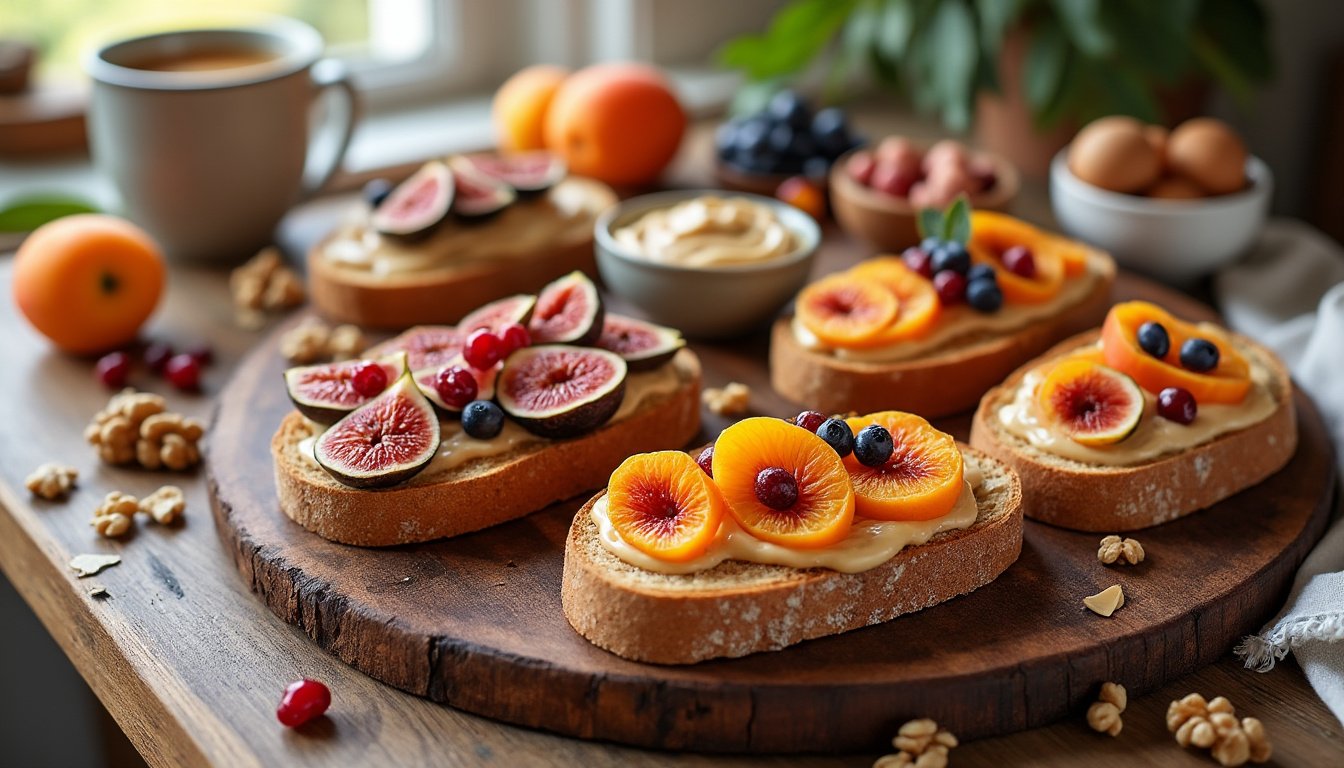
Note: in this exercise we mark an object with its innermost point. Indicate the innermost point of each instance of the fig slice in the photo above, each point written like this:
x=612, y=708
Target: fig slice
x=643, y=346
x=530, y=173
x=478, y=196
x=559, y=391
x=325, y=393
x=386, y=441
x=418, y=204
x=498, y=315
x=425, y=378
x=569, y=311
x=1091, y=403
x=426, y=346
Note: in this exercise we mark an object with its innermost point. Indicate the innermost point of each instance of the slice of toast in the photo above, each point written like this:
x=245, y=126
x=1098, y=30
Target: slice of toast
x=737, y=608
x=484, y=491
x=444, y=294
x=1110, y=499
x=949, y=381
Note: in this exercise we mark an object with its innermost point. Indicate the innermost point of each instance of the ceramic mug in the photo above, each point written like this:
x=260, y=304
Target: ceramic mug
x=206, y=133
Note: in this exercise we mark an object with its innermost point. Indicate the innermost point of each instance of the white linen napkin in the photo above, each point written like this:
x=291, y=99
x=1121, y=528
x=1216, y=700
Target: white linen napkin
x=1288, y=293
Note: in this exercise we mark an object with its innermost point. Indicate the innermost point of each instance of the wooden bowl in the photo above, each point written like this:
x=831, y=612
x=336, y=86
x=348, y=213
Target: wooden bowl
x=738, y=179
x=888, y=222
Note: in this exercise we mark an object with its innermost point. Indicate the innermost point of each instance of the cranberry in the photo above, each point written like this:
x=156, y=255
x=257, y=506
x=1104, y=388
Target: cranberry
x=1177, y=404
x=156, y=356
x=777, y=488
x=183, y=372
x=113, y=369
x=203, y=354
x=303, y=701
x=706, y=460
x=513, y=338
x=809, y=420
x=951, y=287
x=918, y=260
x=369, y=379
x=456, y=386
x=482, y=350
x=1019, y=261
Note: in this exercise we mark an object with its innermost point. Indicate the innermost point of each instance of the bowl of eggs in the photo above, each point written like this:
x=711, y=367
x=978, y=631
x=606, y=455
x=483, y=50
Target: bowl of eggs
x=1174, y=204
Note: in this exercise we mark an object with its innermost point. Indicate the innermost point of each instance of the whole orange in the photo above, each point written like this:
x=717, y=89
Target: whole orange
x=619, y=123
x=520, y=105
x=88, y=282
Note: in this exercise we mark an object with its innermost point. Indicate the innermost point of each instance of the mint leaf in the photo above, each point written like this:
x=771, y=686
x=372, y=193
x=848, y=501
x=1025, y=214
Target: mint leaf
x=930, y=223
x=30, y=213
x=957, y=221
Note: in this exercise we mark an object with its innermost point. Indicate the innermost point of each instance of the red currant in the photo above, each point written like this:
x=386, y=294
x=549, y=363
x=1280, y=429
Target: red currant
x=951, y=287
x=203, y=354
x=1020, y=261
x=513, y=338
x=156, y=356
x=456, y=386
x=303, y=701
x=113, y=369
x=706, y=460
x=1177, y=404
x=369, y=379
x=777, y=488
x=183, y=372
x=917, y=259
x=482, y=350
x=809, y=420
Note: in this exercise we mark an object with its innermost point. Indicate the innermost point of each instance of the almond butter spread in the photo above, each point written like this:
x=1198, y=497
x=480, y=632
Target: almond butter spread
x=709, y=231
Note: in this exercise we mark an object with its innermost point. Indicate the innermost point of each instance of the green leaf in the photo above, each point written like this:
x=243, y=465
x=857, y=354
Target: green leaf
x=797, y=34
x=29, y=213
x=957, y=221
x=1081, y=19
x=753, y=96
x=930, y=222
x=1125, y=94
x=952, y=39
x=894, y=26
x=1149, y=41
x=1043, y=70
x=996, y=17
x=1232, y=40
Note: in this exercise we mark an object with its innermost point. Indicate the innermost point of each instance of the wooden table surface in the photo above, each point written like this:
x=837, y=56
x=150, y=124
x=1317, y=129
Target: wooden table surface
x=191, y=664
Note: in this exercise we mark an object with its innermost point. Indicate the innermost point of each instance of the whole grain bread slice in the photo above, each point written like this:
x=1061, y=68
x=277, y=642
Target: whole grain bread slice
x=738, y=608
x=1088, y=497
x=485, y=491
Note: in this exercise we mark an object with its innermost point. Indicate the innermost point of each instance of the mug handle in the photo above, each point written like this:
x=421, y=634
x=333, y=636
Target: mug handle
x=331, y=74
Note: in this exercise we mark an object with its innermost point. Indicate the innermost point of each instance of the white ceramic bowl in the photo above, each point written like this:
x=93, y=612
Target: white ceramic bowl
x=704, y=302
x=1177, y=241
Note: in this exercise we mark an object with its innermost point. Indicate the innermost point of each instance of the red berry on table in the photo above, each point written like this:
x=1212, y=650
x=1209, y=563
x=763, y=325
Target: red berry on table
x=156, y=356
x=1177, y=404
x=706, y=460
x=1020, y=261
x=514, y=338
x=113, y=369
x=951, y=287
x=369, y=379
x=482, y=349
x=918, y=260
x=456, y=386
x=803, y=194
x=183, y=372
x=303, y=701
x=860, y=167
x=203, y=354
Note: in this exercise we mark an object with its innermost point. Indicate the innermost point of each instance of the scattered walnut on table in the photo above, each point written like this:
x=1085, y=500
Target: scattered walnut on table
x=1104, y=715
x=1213, y=725
x=732, y=400
x=52, y=481
x=921, y=744
x=165, y=505
x=1115, y=550
x=135, y=427
x=265, y=283
x=313, y=341
x=115, y=515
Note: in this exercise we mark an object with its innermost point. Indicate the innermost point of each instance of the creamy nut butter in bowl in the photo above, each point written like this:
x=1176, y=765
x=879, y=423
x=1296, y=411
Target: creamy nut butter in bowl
x=712, y=263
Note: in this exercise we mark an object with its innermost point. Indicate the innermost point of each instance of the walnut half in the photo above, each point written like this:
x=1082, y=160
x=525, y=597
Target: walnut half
x=51, y=480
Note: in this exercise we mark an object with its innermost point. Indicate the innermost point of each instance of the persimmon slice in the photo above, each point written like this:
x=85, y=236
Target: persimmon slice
x=664, y=505
x=921, y=480
x=994, y=233
x=845, y=311
x=918, y=306
x=824, y=509
x=1228, y=383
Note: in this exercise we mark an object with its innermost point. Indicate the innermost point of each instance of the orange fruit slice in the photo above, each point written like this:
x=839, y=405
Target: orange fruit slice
x=1092, y=404
x=845, y=311
x=994, y=233
x=921, y=480
x=1227, y=383
x=917, y=301
x=823, y=506
x=664, y=505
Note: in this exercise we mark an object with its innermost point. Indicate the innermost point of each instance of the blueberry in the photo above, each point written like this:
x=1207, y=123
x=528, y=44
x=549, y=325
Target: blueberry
x=376, y=191
x=838, y=435
x=781, y=139
x=1154, y=340
x=1199, y=355
x=816, y=168
x=984, y=295
x=725, y=138
x=981, y=272
x=789, y=107
x=482, y=419
x=831, y=131
x=751, y=135
x=873, y=446
x=929, y=244
x=951, y=255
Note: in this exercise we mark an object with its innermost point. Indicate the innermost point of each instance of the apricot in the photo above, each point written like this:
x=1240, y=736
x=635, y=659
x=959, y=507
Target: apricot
x=917, y=301
x=88, y=282
x=845, y=310
x=618, y=122
x=520, y=106
x=993, y=234
x=1227, y=383
x=922, y=479
x=664, y=505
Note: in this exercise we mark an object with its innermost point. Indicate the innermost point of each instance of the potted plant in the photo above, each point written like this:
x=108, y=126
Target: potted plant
x=1025, y=73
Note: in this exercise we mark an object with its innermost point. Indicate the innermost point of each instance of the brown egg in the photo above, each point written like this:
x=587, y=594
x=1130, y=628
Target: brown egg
x=1157, y=136
x=1175, y=188
x=1209, y=153
x=1113, y=154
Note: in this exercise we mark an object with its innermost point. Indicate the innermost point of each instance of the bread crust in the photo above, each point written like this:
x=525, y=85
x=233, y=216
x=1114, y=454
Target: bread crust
x=1112, y=499
x=485, y=491
x=951, y=381
x=737, y=608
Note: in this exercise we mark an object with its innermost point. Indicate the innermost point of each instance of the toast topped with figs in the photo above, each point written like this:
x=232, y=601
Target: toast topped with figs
x=1149, y=419
x=781, y=532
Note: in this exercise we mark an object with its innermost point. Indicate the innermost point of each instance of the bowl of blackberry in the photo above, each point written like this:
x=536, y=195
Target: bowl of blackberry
x=756, y=153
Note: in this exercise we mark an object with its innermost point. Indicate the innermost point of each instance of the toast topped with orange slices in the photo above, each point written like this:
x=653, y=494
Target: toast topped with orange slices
x=930, y=331
x=1149, y=419
x=785, y=531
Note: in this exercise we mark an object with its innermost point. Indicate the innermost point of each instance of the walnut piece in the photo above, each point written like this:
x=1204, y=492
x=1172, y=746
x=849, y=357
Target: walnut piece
x=345, y=342
x=1213, y=725
x=922, y=744
x=732, y=400
x=313, y=341
x=135, y=427
x=1120, y=552
x=51, y=480
x=165, y=505
x=114, y=516
x=265, y=283
x=1104, y=715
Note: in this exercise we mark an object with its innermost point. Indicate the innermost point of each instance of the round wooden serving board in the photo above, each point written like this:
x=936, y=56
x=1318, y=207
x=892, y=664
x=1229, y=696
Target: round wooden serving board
x=475, y=622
